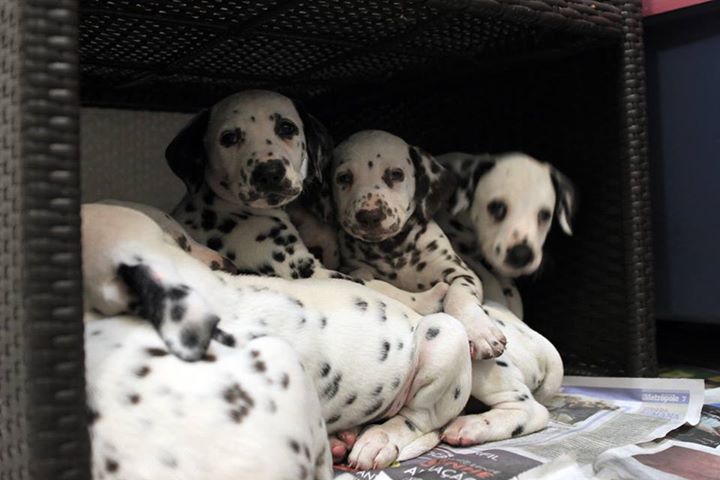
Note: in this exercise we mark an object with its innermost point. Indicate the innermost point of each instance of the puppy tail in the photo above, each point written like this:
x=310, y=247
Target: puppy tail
x=419, y=446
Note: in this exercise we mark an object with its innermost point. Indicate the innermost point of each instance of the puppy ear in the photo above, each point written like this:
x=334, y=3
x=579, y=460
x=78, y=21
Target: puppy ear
x=433, y=183
x=467, y=175
x=318, y=142
x=186, y=152
x=565, y=199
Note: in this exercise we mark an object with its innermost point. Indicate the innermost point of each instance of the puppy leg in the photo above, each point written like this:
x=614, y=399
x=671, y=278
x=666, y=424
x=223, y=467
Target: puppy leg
x=131, y=265
x=486, y=338
x=438, y=393
x=513, y=409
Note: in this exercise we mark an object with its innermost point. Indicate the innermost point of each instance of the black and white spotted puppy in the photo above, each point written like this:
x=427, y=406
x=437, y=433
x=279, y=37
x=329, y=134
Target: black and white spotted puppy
x=383, y=191
x=370, y=359
x=242, y=162
x=500, y=214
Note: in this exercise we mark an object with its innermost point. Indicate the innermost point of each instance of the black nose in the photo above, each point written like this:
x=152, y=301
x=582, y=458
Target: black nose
x=369, y=218
x=269, y=175
x=519, y=256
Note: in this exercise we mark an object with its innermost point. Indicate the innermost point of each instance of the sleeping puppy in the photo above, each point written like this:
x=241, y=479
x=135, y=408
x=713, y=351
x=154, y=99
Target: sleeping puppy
x=370, y=359
x=385, y=193
x=500, y=214
x=242, y=162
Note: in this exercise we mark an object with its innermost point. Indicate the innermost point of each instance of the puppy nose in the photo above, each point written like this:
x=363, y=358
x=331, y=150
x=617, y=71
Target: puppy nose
x=369, y=218
x=519, y=256
x=268, y=175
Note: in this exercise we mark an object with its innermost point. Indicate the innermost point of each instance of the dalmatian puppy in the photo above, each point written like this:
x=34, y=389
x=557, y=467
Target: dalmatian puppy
x=244, y=160
x=384, y=191
x=370, y=358
x=500, y=214
x=155, y=417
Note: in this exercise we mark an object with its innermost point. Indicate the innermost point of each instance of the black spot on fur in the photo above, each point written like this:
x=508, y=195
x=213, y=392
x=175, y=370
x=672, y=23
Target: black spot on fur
x=215, y=243
x=333, y=419
x=294, y=446
x=410, y=425
x=227, y=226
x=518, y=431
x=209, y=219
x=189, y=338
x=111, y=465
x=432, y=333
x=285, y=380
x=361, y=304
x=332, y=388
x=142, y=371
x=278, y=256
x=177, y=312
x=134, y=398
x=374, y=407
x=385, y=350
x=260, y=366
x=323, y=322
x=324, y=369
x=378, y=390
x=456, y=393
x=501, y=363
x=156, y=352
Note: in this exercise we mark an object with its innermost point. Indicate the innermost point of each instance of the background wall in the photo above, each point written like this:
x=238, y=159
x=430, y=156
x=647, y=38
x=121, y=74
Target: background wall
x=683, y=61
x=123, y=154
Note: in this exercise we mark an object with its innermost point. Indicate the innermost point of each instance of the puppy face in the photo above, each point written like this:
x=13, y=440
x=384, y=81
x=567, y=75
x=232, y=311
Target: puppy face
x=513, y=207
x=252, y=148
x=379, y=182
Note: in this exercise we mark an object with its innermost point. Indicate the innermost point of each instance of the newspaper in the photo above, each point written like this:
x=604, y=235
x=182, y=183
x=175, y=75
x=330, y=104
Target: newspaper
x=589, y=417
x=689, y=452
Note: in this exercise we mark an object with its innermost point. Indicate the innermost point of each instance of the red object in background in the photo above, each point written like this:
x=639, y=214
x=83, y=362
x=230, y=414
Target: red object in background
x=654, y=7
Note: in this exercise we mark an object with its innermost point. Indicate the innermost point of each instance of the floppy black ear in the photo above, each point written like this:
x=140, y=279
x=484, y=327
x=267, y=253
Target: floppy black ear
x=319, y=144
x=433, y=183
x=565, y=199
x=186, y=152
x=467, y=175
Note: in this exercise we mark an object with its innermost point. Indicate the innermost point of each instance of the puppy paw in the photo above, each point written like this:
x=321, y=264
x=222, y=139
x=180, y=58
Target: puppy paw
x=373, y=450
x=486, y=339
x=467, y=430
x=341, y=443
x=430, y=301
x=182, y=317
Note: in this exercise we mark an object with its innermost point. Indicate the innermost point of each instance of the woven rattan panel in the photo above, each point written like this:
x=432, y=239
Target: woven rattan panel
x=566, y=112
x=42, y=390
x=180, y=55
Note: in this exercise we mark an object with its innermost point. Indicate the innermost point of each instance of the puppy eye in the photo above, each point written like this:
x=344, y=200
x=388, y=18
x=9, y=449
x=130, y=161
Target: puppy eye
x=345, y=178
x=397, y=175
x=286, y=129
x=544, y=215
x=497, y=209
x=228, y=138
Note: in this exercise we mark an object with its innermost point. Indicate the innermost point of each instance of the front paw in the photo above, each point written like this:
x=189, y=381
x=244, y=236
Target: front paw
x=486, y=339
x=373, y=450
x=466, y=431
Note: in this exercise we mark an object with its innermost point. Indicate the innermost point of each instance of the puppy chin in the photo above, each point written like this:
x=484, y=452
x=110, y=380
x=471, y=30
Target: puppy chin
x=511, y=272
x=255, y=199
x=374, y=236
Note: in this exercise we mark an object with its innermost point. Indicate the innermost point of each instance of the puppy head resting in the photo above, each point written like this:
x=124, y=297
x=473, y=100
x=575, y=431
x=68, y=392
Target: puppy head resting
x=512, y=206
x=379, y=182
x=254, y=148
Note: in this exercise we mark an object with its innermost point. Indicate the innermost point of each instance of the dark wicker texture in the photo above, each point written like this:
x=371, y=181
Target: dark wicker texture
x=42, y=387
x=560, y=79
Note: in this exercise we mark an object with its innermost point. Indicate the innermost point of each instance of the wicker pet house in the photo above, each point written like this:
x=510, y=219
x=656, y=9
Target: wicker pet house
x=559, y=79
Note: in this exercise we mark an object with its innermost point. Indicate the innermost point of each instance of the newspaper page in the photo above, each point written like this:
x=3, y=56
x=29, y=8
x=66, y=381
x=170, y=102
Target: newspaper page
x=690, y=452
x=590, y=416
